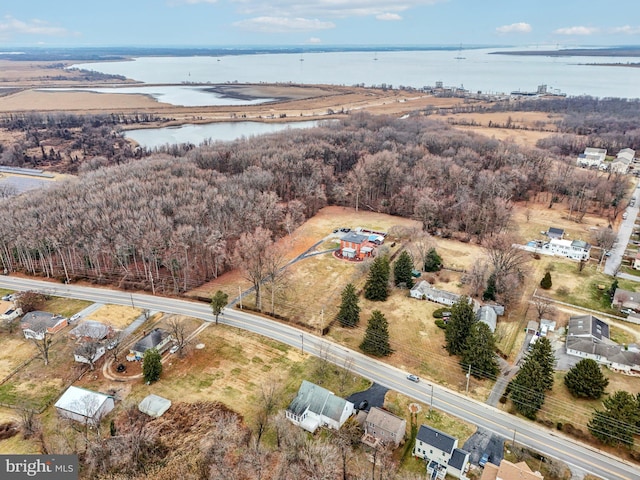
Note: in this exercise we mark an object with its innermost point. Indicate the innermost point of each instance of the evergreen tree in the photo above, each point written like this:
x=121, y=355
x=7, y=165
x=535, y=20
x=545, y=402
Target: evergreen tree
x=459, y=326
x=527, y=389
x=377, y=286
x=612, y=289
x=432, y=261
x=376, y=338
x=218, y=302
x=349, y=314
x=151, y=365
x=619, y=421
x=542, y=352
x=586, y=380
x=402, y=270
x=480, y=352
x=546, y=281
x=490, y=291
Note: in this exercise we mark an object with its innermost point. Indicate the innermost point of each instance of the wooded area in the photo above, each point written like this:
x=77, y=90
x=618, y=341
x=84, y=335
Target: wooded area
x=168, y=223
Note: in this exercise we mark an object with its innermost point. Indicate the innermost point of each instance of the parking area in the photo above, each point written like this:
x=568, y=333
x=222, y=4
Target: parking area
x=374, y=395
x=482, y=442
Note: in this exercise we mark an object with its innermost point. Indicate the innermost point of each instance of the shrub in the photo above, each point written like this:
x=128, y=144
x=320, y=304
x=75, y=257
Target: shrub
x=546, y=281
x=563, y=291
x=440, y=324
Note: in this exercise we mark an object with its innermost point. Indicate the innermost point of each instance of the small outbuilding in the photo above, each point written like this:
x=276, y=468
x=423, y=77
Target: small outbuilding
x=84, y=405
x=154, y=405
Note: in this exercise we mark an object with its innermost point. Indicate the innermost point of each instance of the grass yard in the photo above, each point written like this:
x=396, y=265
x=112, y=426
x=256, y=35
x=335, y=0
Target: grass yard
x=14, y=350
x=118, y=316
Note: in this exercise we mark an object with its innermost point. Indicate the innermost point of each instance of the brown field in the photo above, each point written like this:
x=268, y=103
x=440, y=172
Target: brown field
x=117, y=316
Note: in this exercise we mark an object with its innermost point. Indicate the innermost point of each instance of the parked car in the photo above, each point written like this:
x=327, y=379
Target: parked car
x=8, y=298
x=174, y=349
x=363, y=404
x=112, y=344
x=75, y=317
x=484, y=459
x=413, y=378
x=625, y=215
x=626, y=311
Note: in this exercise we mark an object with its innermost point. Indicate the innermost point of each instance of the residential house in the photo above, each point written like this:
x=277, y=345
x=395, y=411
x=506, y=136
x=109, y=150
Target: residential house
x=157, y=338
x=315, y=407
x=636, y=262
x=509, y=471
x=557, y=233
x=383, y=428
x=425, y=291
x=588, y=337
x=36, y=324
x=592, y=157
x=355, y=245
x=623, y=161
x=441, y=453
x=486, y=314
x=573, y=249
x=90, y=330
x=89, y=352
x=84, y=405
x=626, y=299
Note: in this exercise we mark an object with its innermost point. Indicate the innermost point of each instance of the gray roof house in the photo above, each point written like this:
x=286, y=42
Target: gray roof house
x=588, y=326
x=487, y=314
x=156, y=338
x=36, y=324
x=90, y=329
x=623, y=161
x=84, y=405
x=315, y=407
x=626, y=299
x=441, y=453
x=553, y=232
x=383, y=428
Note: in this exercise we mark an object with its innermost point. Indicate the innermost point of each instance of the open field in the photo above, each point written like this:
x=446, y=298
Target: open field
x=117, y=316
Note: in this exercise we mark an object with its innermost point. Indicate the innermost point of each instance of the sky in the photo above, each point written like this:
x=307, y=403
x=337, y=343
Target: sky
x=210, y=23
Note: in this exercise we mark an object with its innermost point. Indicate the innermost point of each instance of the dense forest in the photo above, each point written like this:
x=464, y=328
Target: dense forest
x=170, y=222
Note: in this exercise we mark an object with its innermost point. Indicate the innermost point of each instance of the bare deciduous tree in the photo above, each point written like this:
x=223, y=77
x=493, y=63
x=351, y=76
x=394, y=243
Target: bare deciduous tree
x=543, y=306
x=178, y=330
x=90, y=351
x=43, y=343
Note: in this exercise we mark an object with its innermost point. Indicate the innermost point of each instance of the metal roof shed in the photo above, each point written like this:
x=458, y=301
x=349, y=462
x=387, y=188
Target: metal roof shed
x=84, y=405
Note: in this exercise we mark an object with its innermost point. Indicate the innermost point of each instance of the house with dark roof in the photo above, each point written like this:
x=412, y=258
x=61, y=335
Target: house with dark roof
x=383, y=428
x=441, y=454
x=588, y=337
x=36, y=324
x=509, y=471
x=554, y=232
x=355, y=245
x=157, y=338
x=315, y=407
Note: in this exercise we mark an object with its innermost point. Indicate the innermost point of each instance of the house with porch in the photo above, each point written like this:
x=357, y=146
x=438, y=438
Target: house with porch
x=37, y=324
x=383, y=428
x=315, y=406
x=573, y=249
x=441, y=454
x=355, y=245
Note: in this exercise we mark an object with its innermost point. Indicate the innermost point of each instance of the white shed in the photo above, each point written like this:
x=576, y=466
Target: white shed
x=154, y=406
x=84, y=405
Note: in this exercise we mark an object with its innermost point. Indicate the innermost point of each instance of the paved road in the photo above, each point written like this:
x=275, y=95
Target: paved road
x=550, y=443
x=624, y=234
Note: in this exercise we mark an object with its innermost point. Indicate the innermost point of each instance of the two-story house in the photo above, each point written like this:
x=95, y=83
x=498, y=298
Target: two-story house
x=573, y=249
x=441, y=454
x=315, y=407
x=382, y=428
x=592, y=157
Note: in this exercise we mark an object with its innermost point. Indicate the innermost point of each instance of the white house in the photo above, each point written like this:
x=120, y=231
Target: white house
x=36, y=324
x=315, y=407
x=84, y=405
x=623, y=161
x=573, y=249
x=89, y=352
x=441, y=454
x=592, y=157
x=425, y=291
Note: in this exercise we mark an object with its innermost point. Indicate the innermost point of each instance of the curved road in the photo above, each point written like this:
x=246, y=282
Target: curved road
x=549, y=443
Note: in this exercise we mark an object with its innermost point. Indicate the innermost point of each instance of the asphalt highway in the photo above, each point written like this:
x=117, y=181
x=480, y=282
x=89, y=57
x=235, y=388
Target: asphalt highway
x=549, y=443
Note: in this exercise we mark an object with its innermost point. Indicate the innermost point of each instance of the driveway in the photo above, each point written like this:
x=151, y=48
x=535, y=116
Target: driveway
x=374, y=395
x=484, y=441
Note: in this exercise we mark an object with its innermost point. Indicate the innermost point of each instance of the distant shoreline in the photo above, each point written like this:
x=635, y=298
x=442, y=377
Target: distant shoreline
x=578, y=52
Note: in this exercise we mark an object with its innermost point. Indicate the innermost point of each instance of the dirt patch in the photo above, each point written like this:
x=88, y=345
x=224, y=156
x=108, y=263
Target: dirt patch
x=117, y=316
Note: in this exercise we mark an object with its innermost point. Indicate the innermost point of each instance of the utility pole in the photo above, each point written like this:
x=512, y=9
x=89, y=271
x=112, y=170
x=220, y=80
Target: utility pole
x=132, y=305
x=431, y=404
x=468, y=376
x=513, y=442
x=302, y=343
x=240, y=295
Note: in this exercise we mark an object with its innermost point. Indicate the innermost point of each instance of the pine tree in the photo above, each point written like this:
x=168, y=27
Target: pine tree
x=490, y=291
x=402, y=270
x=151, y=365
x=349, y=314
x=542, y=352
x=527, y=389
x=612, y=289
x=619, y=421
x=376, y=338
x=480, y=352
x=546, y=281
x=377, y=286
x=459, y=326
x=586, y=380
x=432, y=261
